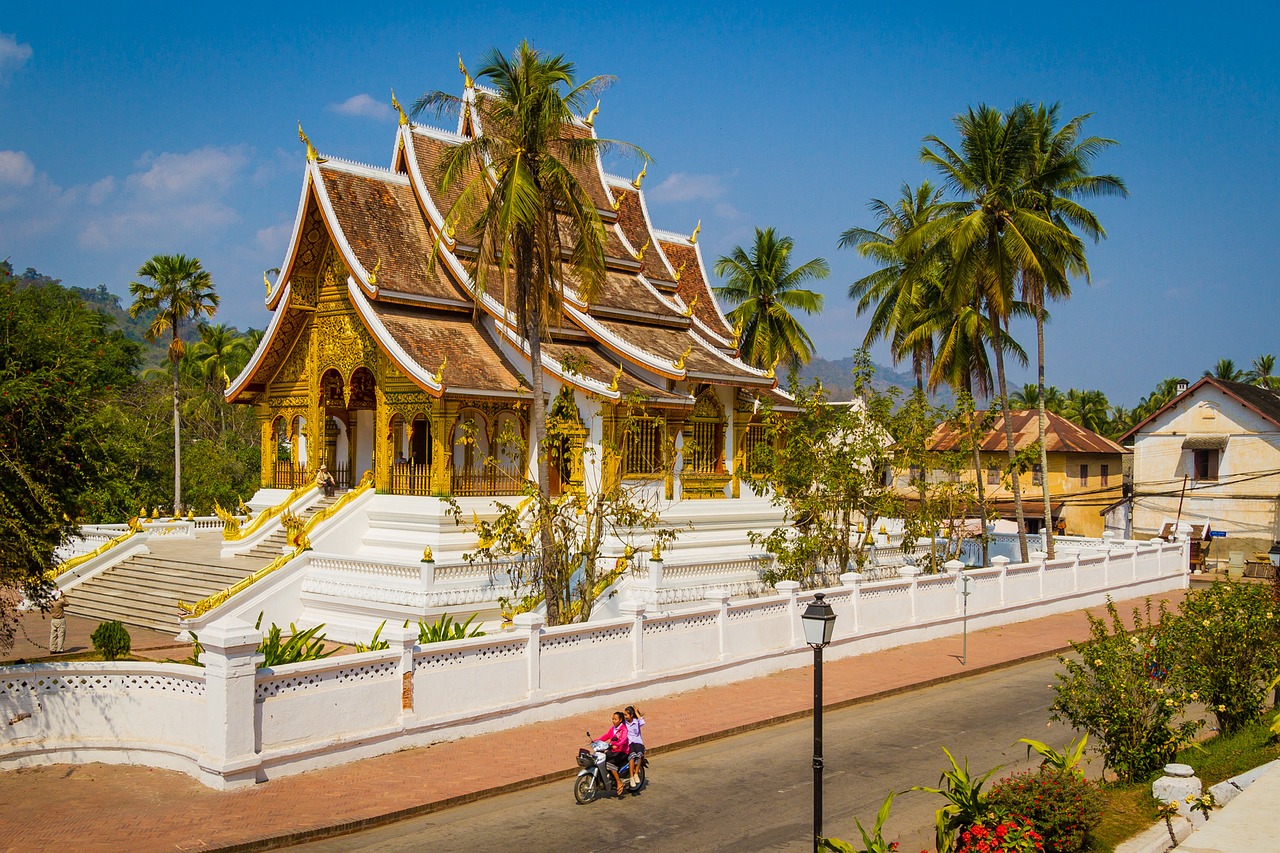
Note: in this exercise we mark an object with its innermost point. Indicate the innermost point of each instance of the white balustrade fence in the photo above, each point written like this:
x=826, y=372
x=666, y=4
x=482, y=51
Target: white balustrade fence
x=230, y=723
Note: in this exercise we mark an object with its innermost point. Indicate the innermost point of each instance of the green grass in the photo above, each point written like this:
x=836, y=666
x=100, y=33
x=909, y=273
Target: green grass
x=1129, y=809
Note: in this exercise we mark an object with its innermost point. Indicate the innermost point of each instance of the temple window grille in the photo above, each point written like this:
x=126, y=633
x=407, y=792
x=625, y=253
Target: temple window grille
x=753, y=444
x=704, y=436
x=642, y=448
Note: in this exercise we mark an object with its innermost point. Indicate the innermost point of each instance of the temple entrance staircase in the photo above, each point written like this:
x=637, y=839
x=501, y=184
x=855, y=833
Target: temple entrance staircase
x=143, y=590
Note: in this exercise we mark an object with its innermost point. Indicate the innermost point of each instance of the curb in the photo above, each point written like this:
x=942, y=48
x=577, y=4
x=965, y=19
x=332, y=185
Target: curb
x=354, y=826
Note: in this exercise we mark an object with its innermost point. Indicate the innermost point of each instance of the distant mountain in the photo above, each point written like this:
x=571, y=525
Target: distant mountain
x=837, y=377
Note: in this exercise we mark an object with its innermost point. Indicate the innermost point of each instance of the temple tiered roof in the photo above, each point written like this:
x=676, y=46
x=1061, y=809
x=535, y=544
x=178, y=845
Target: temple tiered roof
x=652, y=326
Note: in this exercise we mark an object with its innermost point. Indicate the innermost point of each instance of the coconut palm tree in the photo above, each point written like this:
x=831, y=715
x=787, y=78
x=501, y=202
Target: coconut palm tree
x=1089, y=409
x=992, y=233
x=1262, y=372
x=897, y=287
x=1226, y=370
x=531, y=221
x=766, y=290
x=180, y=290
x=219, y=355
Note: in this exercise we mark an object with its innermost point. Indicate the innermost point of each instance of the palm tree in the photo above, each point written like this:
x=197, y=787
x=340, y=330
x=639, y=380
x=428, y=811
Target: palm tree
x=531, y=221
x=1089, y=409
x=181, y=289
x=1226, y=370
x=219, y=355
x=1059, y=174
x=1165, y=391
x=992, y=233
x=1025, y=397
x=766, y=290
x=1262, y=373
x=897, y=287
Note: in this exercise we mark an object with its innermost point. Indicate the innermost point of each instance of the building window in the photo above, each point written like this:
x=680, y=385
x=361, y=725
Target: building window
x=993, y=476
x=1106, y=475
x=1084, y=475
x=642, y=446
x=1037, y=475
x=1206, y=462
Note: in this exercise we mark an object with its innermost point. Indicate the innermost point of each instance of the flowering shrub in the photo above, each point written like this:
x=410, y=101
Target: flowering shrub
x=1063, y=806
x=1000, y=835
x=1226, y=641
x=1117, y=693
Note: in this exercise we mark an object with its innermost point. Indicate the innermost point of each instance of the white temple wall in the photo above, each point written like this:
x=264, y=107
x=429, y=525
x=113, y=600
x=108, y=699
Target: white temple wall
x=264, y=723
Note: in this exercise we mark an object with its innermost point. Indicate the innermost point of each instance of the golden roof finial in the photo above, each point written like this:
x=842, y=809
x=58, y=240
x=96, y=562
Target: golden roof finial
x=404, y=119
x=643, y=249
x=617, y=202
x=688, y=310
x=311, y=149
x=439, y=377
x=590, y=120
x=466, y=78
x=613, y=386
x=640, y=177
x=266, y=281
x=680, y=271
x=656, y=553
x=687, y=353
x=694, y=237
x=373, y=273
x=772, y=368
x=451, y=231
x=427, y=556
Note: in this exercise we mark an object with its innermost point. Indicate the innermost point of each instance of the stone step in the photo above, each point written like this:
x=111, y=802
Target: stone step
x=131, y=619
x=124, y=585
x=129, y=600
x=163, y=574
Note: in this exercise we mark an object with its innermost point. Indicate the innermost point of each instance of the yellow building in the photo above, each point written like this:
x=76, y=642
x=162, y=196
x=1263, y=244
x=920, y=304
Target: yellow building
x=1085, y=471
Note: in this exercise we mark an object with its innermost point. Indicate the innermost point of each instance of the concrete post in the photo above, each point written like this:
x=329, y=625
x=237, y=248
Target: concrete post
x=853, y=580
x=531, y=624
x=955, y=567
x=721, y=599
x=913, y=573
x=655, y=575
x=402, y=639
x=1001, y=563
x=427, y=574
x=230, y=661
x=1039, y=557
x=635, y=609
x=791, y=589
x=1075, y=570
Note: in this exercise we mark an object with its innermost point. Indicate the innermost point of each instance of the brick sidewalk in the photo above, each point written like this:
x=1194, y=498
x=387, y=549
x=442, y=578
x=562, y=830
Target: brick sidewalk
x=32, y=643
x=103, y=807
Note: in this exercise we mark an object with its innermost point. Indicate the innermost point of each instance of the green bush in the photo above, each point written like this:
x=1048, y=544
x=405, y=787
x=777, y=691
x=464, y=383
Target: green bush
x=995, y=834
x=301, y=645
x=1117, y=693
x=966, y=803
x=1226, y=642
x=445, y=628
x=376, y=644
x=1063, y=806
x=112, y=640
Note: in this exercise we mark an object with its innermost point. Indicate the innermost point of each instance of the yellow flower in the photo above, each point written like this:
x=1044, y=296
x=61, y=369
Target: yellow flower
x=1097, y=661
x=1206, y=623
x=1194, y=697
x=1168, y=703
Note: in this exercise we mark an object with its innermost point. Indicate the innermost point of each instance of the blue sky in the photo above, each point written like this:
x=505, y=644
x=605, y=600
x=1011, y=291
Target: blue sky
x=172, y=128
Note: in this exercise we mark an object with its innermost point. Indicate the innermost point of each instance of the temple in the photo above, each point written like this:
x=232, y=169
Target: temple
x=383, y=358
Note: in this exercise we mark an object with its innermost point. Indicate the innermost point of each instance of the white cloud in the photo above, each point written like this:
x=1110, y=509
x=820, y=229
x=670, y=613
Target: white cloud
x=203, y=170
x=12, y=55
x=685, y=187
x=363, y=105
x=16, y=169
x=272, y=239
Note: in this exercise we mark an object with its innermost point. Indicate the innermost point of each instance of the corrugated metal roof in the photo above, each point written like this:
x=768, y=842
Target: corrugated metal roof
x=1061, y=436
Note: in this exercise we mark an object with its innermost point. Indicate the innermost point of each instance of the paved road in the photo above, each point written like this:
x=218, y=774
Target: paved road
x=754, y=792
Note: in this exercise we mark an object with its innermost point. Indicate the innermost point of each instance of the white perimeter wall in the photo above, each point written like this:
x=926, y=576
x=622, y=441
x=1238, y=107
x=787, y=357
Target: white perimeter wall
x=230, y=724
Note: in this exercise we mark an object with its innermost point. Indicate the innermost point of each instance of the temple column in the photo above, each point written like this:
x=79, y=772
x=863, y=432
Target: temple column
x=442, y=414
x=741, y=420
x=675, y=427
x=382, y=452
x=268, y=448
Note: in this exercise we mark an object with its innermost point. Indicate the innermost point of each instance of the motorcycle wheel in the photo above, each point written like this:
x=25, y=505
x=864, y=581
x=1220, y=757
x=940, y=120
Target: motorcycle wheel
x=584, y=789
x=643, y=776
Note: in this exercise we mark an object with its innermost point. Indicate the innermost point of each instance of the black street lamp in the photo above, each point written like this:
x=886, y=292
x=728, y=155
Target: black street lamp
x=819, y=622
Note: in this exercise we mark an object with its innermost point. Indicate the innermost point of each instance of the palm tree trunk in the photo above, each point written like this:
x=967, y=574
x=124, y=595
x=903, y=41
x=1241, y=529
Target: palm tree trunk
x=1008, y=434
x=551, y=586
x=1044, y=450
x=982, y=491
x=177, y=442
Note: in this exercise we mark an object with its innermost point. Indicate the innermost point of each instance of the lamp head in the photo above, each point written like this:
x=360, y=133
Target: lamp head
x=819, y=622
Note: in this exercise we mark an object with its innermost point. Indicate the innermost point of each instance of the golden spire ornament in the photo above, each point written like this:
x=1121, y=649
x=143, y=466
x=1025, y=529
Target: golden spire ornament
x=439, y=377
x=590, y=120
x=311, y=149
x=266, y=281
x=613, y=386
x=687, y=353
x=688, y=309
x=404, y=119
x=640, y=177
x=643, y=249
x=680, y=271
x=373, y=273
x=617, y=203
x=466, y=78
x=694, y=237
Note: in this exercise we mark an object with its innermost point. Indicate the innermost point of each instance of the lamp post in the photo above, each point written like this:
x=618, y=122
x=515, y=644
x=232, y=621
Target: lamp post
x=819, y=624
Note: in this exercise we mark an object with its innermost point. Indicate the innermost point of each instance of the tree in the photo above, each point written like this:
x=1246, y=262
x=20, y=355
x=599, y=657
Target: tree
x=907, y=269
x=992, y=234
x=1089, y=409
x=1262, y=372
x=61, y=365
x=826, y=468
x=1226, y=370
x=180, y=290
x=766, y=290
x=1059, y=174
x=529, y=218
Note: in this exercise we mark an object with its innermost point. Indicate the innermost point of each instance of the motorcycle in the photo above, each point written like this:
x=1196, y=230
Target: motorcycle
x=595, y=777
